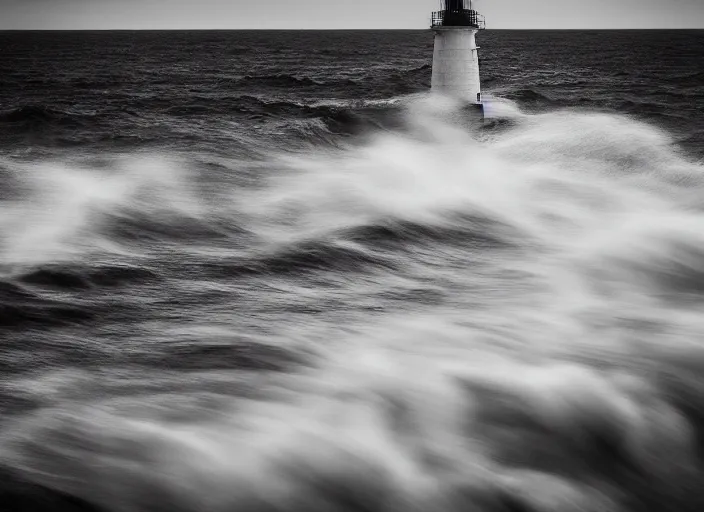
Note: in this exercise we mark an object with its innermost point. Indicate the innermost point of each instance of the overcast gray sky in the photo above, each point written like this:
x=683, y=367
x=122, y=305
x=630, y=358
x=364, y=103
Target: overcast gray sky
x=334, y=14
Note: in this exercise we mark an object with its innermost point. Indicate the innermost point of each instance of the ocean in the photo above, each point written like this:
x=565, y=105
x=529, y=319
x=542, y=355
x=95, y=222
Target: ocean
x=268, y=271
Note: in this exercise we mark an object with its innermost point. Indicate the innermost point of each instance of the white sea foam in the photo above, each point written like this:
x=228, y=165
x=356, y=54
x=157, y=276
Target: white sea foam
x=561, y=371
x=61, y=211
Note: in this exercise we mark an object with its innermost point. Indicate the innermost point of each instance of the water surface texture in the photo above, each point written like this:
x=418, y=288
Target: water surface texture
x=266, y=271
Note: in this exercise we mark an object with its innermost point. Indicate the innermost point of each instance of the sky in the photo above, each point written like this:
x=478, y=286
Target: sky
x=339, y=14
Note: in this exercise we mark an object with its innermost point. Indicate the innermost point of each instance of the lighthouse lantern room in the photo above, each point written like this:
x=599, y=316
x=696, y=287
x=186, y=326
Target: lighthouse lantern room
x=455, y=58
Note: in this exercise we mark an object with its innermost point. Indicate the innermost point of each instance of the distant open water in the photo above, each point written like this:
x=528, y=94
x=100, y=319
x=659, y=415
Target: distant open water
x=266, y=271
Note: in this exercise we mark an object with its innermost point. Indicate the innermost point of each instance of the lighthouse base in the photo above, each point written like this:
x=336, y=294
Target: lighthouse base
x=456, y=63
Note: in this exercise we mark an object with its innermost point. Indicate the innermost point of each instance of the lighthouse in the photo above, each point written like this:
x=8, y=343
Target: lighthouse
x=456, y=54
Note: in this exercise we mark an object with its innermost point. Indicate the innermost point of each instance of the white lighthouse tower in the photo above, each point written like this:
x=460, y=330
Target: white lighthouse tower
x=456, y=55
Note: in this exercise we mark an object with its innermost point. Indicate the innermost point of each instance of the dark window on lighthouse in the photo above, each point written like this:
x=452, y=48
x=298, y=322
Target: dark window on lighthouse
x=458, y=13
x=457, y=5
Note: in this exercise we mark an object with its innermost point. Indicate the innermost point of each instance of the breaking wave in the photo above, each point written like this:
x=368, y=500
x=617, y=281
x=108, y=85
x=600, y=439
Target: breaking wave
x=437, y=317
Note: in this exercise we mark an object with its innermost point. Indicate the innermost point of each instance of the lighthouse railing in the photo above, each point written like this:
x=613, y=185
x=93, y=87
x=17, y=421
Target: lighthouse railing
x=463, y=18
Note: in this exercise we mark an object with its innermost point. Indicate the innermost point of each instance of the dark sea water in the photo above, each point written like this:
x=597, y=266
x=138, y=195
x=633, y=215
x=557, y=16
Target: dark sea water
x=267, y=271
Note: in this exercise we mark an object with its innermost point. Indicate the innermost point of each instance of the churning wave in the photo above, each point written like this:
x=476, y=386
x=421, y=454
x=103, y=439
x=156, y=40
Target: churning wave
x=301, y=81
x=499, y=319
x=66, y=128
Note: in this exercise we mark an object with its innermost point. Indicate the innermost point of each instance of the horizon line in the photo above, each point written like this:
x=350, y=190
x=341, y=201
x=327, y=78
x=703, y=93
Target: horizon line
x=313, y=29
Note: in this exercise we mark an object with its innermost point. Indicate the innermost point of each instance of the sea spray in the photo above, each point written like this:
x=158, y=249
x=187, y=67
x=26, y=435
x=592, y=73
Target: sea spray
x=441, y=317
